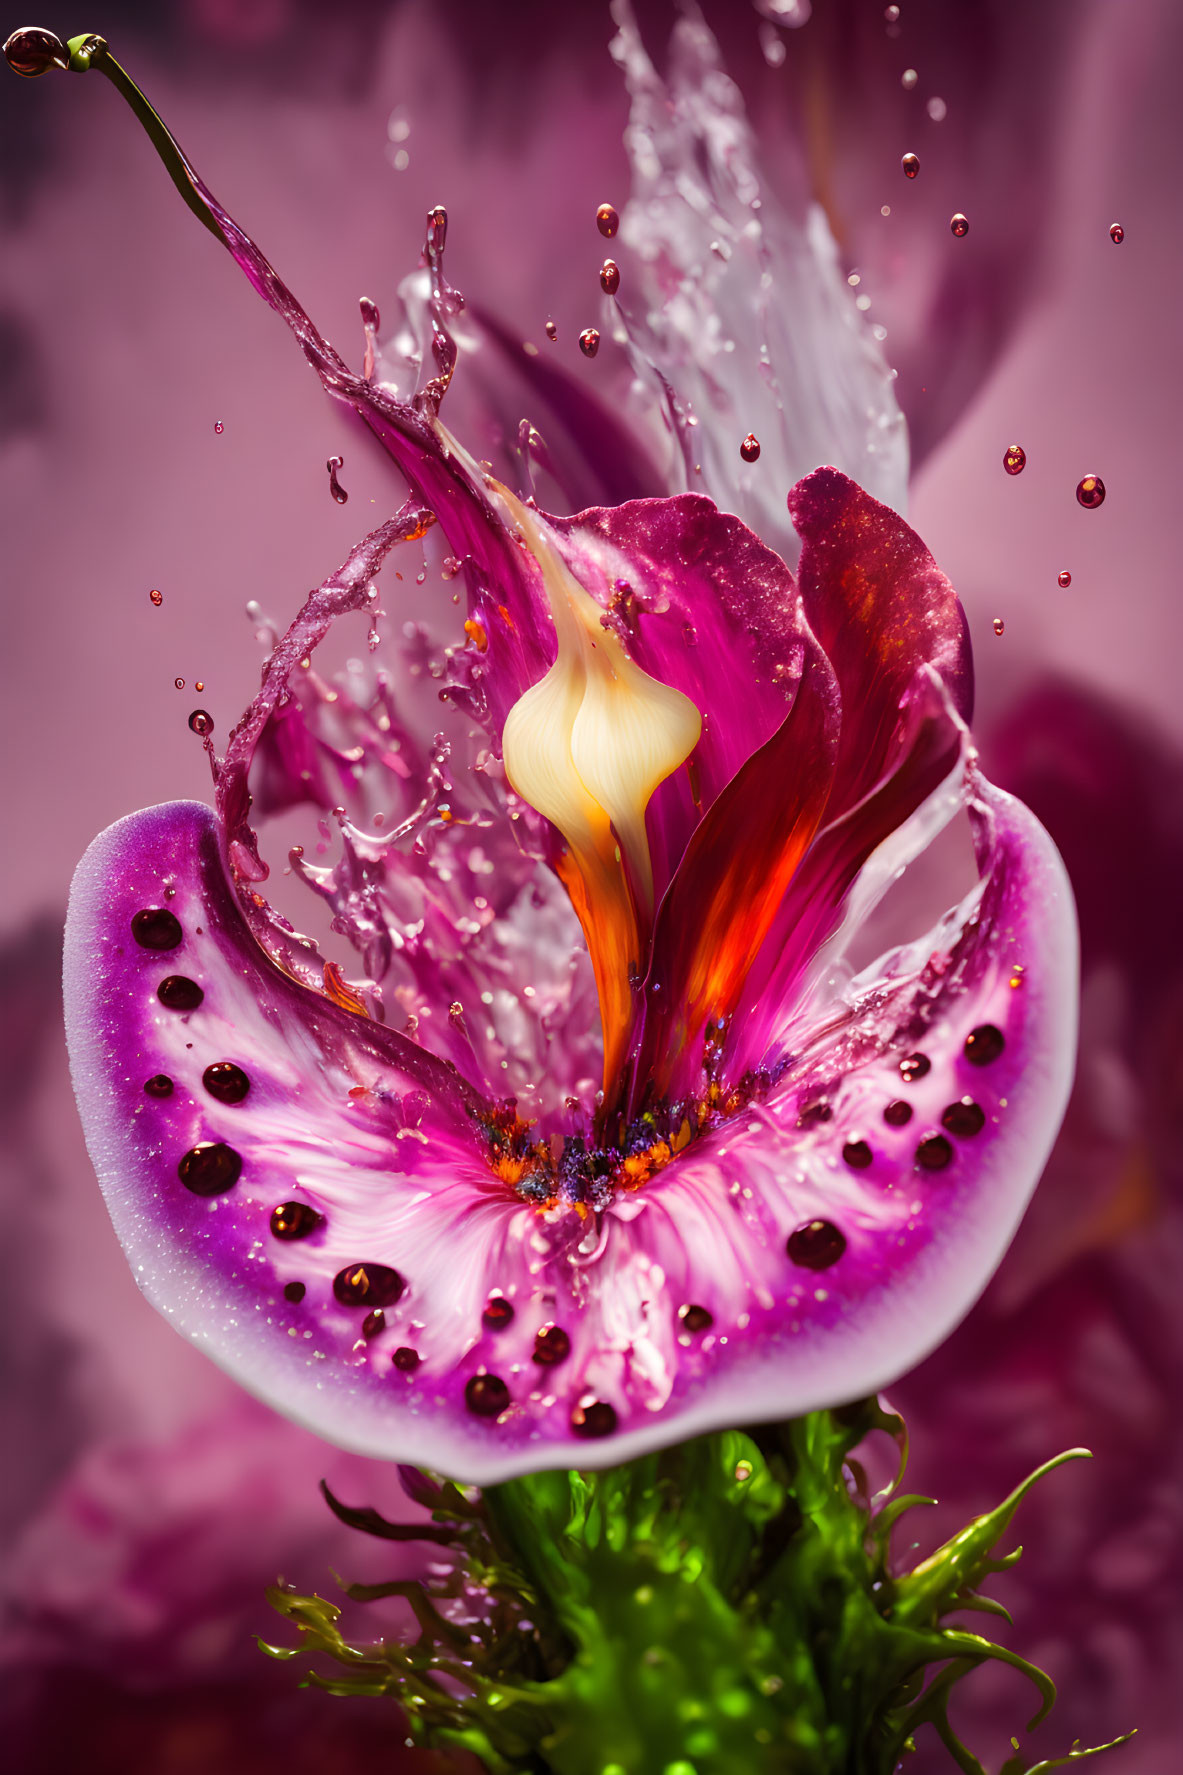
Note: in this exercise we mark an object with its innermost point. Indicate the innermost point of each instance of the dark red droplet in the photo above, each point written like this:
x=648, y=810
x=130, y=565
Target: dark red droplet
x=913, y=1067
x=999, y=626
x=210, y=1168
x=964, y=1118
x=225, y=1081
x=607, y=220
x=1014, y=459
x=154, y=927
x=295, y=1292
x=551, y=1345
x=552, y=332
x=934, y=1153
x=750, y=448
x=177, y=993
x=32, y=51
x=1091, y=492
x=609, y=277
x=201, y=722
x=593, y=1417
x=898, y=1114
x=816, y=1245
x=959, y=225
x=1116, y=234
x=911, y=165
x=695, y=1319
x=159, y=1085
x=589, y=341
x=179, y=683
x=486, y=1395
x=157, y=598
x=498, y=1313
x=857, y=1154
x=335, y=488
x=984, y=1044
x=368, y=1285
x=1064, y=578
x=295, y=1220
x=373, y=1323
x=812, y=1114
x=405, y=1359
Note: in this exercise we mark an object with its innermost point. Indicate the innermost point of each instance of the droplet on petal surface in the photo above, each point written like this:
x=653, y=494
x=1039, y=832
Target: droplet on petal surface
x=155, y=927
x=551, y=1345
x=368, y=1285
x=1117, y=234
x=295, y=1292
x=405, y=1359
x=750, y=448
x=898, y=1114
x=607, y=220
x=984, y=1044
x=294, y=1220
x=964, y=1118
x=1014, y=459
x=177, y=993
x=1091, y=492
x=226, y=1082
x=486, y=1395
x=959, y=225
x=609, y=277
x=593, y=1417
x=201, y=722
x=498, y=1313
x=1064, y=578
x=913, y=1067
x=857, y=1154
x=934, y=1153
x=32, y=51
x=695, y=1319
x=159, y=1085
x=816, y=1245
x=210, y=1168
x=589, y=341
x=911, y=165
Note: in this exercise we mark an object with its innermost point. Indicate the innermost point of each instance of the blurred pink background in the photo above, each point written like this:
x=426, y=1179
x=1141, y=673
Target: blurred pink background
x=147, y=1501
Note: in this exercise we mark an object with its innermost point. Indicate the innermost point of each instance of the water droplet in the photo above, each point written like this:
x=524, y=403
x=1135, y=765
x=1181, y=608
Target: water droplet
x=915, y=1066
x=609, y=277
x=335, y=488
x=295, y=1292
x=857, y=1154
x=552, y=332
x=593, y=1417
x=176, y=993
x=908, y=79
x=294, y=1220
x=695, y=1319
x=964, y=1118
x=589, y=341
x=999, y=626
x=934, y=1153
x=816, y=1245
x=159, y=1085
x=911, y=165
x=1117, y=234
x=201, y=722
x=607, y=221
x=406, y=1360
x=1014, y=459
x=198, y=685
x=486, y=1395
x=219, y=428
x=156, y=597
x=370, y=318
x=898, y=1114
x=959, y=225
x=367, y=1285
x=498, y=1313
x=551, y=1345
x=891, y=14
x=32, y=51
x=984, y=1044
x=750, y=448
x=1091, y=492
x=210, y=1168
x=156, y=928
x=225, y=1081
x=179, y=683
x=373, y=1323
x=1064, y=578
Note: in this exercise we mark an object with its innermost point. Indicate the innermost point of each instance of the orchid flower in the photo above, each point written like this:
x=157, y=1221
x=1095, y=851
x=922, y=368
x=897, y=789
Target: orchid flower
x=625, y=1134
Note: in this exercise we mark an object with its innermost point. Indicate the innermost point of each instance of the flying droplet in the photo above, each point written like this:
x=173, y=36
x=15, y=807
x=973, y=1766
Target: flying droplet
x=609, y=277
x=607, y=221
x=911, y=165
x=1014, y=459
x=1091, y=492
x=959, y=225
x=908, y=79
x=180, y=683
x=32, y=51
x=750, y=448
x=552, y=332
x=210, y=1168
x=157, y=598
x=219, y=428
x=1064, y=578
x=816, y=1245
x=999, y=626
x=1117, y=234
x=589, y=341
x=335, y=488
x=486, y=1395
x=891, y=14
x=201, y=722
x=593, y=1417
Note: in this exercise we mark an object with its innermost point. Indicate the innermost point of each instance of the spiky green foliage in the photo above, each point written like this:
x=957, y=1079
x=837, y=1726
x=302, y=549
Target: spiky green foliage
x=728, y=1607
